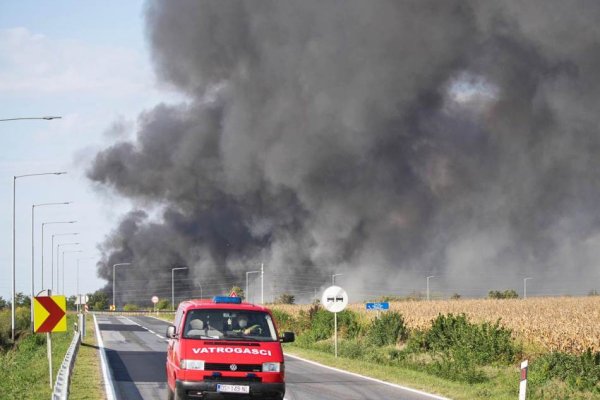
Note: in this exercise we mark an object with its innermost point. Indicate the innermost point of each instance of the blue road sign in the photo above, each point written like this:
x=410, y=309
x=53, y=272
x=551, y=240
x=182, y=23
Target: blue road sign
x=378, y=306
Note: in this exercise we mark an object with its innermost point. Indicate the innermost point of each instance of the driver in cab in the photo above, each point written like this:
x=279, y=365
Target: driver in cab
x=242, y=321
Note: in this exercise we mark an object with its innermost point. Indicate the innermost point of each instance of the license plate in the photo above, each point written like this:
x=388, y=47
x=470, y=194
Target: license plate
x=233, y=388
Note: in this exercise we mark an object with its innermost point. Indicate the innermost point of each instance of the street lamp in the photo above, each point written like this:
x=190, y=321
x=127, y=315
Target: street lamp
x=22, y=118
x=525, y=287
x=33, y=206
x=333, y=278
x=248, y=273
x=15, y=177
x=57, y=264
x=43, y=225
x=116, y=265
x=77, y=288
x=173, y=286
x=431, y=276
x=52, y=257
x=63, y=266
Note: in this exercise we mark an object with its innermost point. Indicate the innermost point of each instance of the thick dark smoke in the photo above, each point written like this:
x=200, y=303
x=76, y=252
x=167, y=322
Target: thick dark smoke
x=385, y=140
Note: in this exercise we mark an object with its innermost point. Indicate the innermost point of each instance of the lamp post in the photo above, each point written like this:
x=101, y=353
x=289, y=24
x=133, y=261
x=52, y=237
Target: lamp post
x=33, y=206
x=333, y=278
x=63, y=266
x=15, y=177
x=52, y=257
x=173, y=286
x=57, y=264
x=77, y=287
x=525, y=287
x=22, y=118
x=116, y=265
x=429, y=277
x=248, y=273
x=43, y=225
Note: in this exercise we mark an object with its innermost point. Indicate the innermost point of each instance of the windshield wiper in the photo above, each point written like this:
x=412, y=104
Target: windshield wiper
x=239, y=337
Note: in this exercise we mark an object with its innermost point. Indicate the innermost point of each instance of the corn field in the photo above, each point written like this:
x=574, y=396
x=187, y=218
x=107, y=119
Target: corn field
x=570, y=324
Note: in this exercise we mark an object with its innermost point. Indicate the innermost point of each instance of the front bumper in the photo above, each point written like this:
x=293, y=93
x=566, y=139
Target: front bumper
x=208, y=390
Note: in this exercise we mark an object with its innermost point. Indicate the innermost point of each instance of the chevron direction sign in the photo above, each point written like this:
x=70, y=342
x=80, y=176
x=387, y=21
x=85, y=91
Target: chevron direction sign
x=49, y=314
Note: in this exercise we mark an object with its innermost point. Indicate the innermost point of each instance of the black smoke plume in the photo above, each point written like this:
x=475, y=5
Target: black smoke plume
x=385, y=140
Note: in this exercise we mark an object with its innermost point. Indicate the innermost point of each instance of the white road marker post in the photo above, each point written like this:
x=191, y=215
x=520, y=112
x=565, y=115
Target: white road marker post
x=523, y=383
x=334, y=299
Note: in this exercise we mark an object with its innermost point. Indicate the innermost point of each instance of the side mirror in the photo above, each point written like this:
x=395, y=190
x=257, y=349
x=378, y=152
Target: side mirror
x=287, y=337
x=171, y=334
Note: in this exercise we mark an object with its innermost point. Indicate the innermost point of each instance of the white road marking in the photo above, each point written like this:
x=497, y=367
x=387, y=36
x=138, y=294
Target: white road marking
x=148, y=329
x=433, y=396
x=108, y=382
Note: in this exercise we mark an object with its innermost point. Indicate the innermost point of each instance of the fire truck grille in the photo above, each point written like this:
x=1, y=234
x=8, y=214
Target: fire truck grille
x=236, y=367
x=233, y=378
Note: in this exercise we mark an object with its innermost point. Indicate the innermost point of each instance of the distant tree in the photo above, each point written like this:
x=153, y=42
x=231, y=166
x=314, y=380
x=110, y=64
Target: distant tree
x=239, y=291
x=98, y=300
x=163, y=304
x=4, y=303
x=286, y=298
x=71, y=303
x=455, y=296
x=507, y=294
x=22, y=300
x=130, y=307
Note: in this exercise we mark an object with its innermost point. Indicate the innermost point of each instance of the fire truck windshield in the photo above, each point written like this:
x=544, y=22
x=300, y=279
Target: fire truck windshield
x=231, y=324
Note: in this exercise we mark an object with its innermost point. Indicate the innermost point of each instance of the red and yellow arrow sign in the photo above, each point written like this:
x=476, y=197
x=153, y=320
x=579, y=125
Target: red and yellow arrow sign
x=49, y=314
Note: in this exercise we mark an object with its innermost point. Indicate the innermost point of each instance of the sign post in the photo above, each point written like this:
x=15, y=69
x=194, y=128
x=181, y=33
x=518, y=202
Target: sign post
x=154, y=301
x=383, y=306
x=49, y=315
x=334, y=299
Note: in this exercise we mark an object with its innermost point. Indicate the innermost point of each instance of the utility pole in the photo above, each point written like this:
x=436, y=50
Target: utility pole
x=525, y=287
x=248, y=273
x=333, y=278
x=262, y=283
x=116, y=265
x=431, y=276
x=173, y=286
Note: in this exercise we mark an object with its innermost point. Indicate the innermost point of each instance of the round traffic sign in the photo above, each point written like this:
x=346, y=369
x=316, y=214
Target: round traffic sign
x=334, y=299
x=155, y=299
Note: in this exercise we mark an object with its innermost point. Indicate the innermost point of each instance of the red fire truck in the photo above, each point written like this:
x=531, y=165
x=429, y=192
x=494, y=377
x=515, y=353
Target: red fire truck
x=224, y=348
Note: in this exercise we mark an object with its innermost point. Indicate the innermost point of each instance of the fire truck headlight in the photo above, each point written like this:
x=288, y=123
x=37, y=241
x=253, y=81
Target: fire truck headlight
x=271, y=367
x=192, y=364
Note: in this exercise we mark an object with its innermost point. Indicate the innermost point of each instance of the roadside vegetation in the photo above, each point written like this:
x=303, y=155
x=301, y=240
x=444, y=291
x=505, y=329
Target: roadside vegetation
x=86, y=381
x=451, y=355
x=24, y=363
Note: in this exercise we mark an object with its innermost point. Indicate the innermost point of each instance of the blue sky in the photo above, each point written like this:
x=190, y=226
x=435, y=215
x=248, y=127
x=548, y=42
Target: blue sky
x=88, y=62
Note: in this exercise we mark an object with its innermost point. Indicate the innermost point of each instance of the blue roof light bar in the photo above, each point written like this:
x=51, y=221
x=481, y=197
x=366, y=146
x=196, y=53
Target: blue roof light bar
x=226, y=299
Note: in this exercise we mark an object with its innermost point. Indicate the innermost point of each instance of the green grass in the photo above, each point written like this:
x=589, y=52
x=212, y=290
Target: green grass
x=164, y=316
x=86, y=381
x=503, y=383
x=25, y=366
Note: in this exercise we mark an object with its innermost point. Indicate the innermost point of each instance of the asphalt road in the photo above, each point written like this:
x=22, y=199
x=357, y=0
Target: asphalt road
x=136, y=350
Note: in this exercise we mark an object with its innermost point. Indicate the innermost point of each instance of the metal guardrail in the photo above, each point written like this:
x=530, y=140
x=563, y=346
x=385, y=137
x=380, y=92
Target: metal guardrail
x=63, y=378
